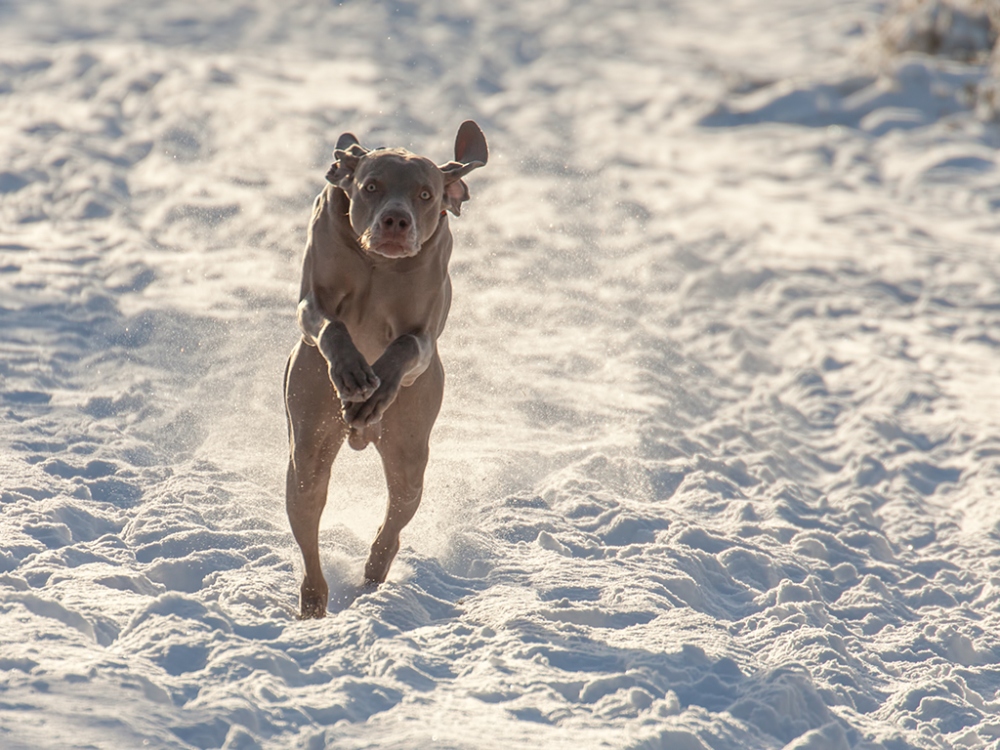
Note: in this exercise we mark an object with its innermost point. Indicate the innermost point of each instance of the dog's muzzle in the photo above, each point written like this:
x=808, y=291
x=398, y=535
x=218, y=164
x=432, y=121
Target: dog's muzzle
x=393, y=234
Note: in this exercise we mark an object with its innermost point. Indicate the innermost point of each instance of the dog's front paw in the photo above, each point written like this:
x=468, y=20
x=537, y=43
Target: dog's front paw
x=364, y=413
x=353, y=378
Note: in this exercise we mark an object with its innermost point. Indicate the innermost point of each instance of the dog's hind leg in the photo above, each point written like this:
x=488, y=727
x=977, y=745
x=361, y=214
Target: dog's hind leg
x=316, y=430
x=403, y=445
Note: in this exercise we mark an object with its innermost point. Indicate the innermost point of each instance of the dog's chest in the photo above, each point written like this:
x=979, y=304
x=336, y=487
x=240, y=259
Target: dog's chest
x=381, y=305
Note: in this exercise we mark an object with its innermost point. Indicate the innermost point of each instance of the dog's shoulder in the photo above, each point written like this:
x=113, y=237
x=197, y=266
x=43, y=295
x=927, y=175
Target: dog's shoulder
x=330, y=215
x=332, y=201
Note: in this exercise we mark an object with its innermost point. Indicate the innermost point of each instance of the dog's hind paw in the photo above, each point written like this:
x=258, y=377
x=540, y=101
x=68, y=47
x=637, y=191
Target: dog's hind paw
x=312, y=603
x=312, y=610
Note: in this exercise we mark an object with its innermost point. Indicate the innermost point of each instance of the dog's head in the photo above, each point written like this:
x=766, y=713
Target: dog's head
x=398, y=198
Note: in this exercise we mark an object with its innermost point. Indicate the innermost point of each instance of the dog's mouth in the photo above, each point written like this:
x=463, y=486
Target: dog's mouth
x=394, y=250
x=388, y=247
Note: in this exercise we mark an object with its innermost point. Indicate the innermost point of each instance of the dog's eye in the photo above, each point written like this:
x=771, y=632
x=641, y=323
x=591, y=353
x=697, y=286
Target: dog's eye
x=426, y=195
x=370, y=187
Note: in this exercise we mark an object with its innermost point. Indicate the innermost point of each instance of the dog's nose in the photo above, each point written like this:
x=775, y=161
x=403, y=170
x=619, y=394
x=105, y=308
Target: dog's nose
x=395, y=221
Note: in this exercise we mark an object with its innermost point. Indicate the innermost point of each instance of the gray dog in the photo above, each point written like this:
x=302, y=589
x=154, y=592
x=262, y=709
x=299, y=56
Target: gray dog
x=374, y=299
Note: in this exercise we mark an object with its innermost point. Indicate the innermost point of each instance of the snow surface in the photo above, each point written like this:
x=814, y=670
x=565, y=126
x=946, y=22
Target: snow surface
x=719, y=458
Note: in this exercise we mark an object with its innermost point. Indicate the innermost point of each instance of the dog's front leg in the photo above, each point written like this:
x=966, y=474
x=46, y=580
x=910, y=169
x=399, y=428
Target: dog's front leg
x=402, y=361
x=350, y=374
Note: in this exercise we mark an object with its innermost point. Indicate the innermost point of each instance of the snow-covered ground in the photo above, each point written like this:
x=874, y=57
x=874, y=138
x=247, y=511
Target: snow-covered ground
x=719, y=460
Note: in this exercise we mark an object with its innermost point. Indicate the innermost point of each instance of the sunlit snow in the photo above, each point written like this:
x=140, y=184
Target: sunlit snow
x=719, y=461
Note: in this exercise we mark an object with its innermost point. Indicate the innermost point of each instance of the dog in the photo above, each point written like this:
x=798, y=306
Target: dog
x=374, y=298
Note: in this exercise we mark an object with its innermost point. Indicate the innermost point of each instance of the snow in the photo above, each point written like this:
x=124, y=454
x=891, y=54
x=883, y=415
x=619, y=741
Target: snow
x=718, y=461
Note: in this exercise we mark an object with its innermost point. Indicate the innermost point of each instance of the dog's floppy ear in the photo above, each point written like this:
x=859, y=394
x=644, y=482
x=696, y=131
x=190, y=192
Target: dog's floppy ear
x=471, y=153
x=347, y=153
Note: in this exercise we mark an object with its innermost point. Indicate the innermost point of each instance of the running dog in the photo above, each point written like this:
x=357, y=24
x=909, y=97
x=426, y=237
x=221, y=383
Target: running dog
x=374, y=298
